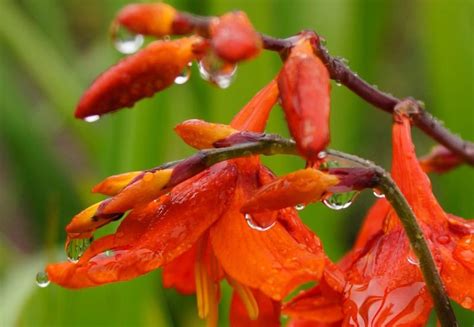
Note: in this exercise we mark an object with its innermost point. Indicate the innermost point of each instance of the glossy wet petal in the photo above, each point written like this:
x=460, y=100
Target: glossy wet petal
x=202, y=135
x=152, y=235
x=114, y=184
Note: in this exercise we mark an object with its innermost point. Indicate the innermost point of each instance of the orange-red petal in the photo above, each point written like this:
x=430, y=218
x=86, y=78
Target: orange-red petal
x=300, y=187
x=152, y=235
x=137, y=76
x=179, y=273
x=271, y=261
x=268, y=312
x=254, y=115
x=304, y=91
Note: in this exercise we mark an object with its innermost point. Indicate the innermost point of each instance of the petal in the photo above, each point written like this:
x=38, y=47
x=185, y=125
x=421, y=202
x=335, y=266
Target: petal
x=253, y=117
x=153, y=235
x=440, y=160
x=114, y=184
x=413, y=182
x=300, y=187
x=89, y=219
x=149, y=186
x=268, y=312
x=304, y=91
x=318, y=304
x=234, y=38
x=202, y=135
x=373, y=223
x=149, y=19
x=137, y=76
x=179, y=273
x=271, y=261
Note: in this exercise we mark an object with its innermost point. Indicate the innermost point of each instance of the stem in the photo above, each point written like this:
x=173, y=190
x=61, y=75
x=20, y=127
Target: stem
x=341, y=73
x=269, y=144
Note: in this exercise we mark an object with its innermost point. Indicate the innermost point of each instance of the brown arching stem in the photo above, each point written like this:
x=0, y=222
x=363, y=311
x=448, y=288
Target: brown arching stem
x=341, y=73
x=270, y=144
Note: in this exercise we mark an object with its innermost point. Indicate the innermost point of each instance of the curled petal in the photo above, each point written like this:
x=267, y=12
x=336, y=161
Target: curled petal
x=440, y=160
x=143, y=190
x=152, y=235
x=268, y=311
x=271, y=261
x=253, y=117
x=234, y=38
x=300, y=187
x=149, y=19
x=202, y=135
x=114, y=184
x=137, y=76
x=304, y=91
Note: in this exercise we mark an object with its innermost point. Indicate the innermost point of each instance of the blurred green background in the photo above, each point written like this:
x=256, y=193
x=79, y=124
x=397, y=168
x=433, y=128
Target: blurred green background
x=52, y=49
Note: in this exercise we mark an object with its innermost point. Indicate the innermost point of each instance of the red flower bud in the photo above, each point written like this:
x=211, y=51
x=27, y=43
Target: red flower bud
x=137, y=76
x=149, y=19
x=304, y=91
x=234, y=38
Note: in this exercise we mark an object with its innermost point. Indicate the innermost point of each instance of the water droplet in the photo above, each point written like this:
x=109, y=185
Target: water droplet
x=339, y=201
x=378, y=193
x=91, y=119
x=300, y=206
x=329, y=164
x=444, y=239
x=322, y=155
x=109, y=253
x=253, y=225
x=413, y=260
x=467, y=302
x=183, y=77
x=217, y=72
x=42, y=279
x=125, y=41
x=338, y=84
x=75, y=248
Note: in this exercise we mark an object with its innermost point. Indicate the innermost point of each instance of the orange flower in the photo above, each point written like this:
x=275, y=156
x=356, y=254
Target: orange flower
x=197, y=232
x=379, y=282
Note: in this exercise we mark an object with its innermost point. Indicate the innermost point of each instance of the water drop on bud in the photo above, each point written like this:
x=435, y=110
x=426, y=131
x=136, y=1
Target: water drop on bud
x=42, y=279
x=322, y=155
x=378, y=193
x=216, y=71
x=254, y=226
x=300, y=206
x=75, y=248
x=339, y=201
x=183, y=77
x=125, y=41
x=91, y=119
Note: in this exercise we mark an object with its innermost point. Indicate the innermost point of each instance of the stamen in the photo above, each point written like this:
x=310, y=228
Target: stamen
x=202, y=287
x=246, y=296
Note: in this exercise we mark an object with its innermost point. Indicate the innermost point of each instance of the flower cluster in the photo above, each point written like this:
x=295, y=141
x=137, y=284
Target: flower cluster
x=222, y=215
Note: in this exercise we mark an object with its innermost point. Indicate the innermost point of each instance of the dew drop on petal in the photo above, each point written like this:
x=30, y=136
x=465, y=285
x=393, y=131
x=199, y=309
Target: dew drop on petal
x=109, y=253
x=378, y=193
x=127, y=42
x=42, y=279
x=322, y=155
x=467, y=302
x=75, y=248
x=91, y=119
x=443, y=239
x=183, y=77
x=412, y=260
x=300, y=207
x=254, y=226
x=339, y=201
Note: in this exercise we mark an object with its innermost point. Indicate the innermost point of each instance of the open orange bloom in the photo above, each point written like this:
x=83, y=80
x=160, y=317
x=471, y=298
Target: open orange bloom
x=198, y=234
x=379, y=282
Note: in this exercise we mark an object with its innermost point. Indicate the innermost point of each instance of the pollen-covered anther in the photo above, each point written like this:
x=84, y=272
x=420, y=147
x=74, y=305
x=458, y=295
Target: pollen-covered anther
x=149, y=19
x=300, y=187
x=201, y=135
x=246, y=296
x=114, y=184
x=143, y=190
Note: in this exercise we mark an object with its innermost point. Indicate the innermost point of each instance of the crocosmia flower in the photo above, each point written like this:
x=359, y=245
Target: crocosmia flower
x=379, y=283
x=196, y=231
